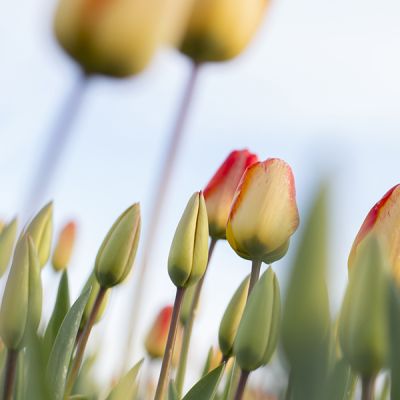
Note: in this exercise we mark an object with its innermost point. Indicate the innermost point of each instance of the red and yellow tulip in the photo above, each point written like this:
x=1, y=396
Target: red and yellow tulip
x=65, y=244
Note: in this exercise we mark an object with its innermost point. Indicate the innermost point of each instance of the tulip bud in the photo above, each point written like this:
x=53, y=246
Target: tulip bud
x=213, y=360
x=188, y=255
x=63, y=251
x=116, y=38
x=41, y=231
x=231, y=318
x=7, y=238
x=257, y=335
x=383, y=220
x=264, y=212
x=219, y=192
x=116, y=255
x=219, y=30
x=22, y=301
x=363, y=324
x=157, y=336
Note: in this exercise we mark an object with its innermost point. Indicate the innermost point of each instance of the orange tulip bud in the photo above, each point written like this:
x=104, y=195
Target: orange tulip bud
x=264, y=212
x=63, y=251
x=384, y=221
x=219, y=192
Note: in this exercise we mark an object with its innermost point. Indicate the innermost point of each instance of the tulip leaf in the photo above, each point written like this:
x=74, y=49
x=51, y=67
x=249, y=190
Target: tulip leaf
x=172, y=391
x=127, y=386
x=61, y=308
x=207, y=386
x=60, y=356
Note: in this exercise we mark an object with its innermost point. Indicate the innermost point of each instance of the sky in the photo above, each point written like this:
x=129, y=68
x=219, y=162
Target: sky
x=319, y=87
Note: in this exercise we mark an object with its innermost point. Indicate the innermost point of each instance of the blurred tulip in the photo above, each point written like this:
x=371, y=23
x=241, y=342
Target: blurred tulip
x=41, y=230
x=117, y=253
x=213, y=360
x=116, y=38
x=63, y=251
x=384, y=221
x=21, y=307
x=188, y=255
x=2, y=225
x=220, y=190
x=231, y=318
x=219, y=30
x=257, y=335
x=264, y=212
x=8, y=234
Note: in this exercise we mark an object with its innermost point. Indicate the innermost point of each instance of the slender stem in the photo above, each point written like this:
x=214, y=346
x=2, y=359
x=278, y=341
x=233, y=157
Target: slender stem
x=234, y=381
x=255, y=274
x=76, y=364
x=10, y=373
x=169, y=348
x=58, y=138
x=242, y=385
x=368, y=388
x=163, y=180
x=188, y=328
x=288, y=393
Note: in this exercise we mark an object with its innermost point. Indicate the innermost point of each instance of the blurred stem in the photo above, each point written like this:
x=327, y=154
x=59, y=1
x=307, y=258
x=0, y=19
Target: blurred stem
x=158, y=199
x=234, y=381
x=368, y=388
x=188, y=328
x=288, y=393
x=255, y=274
x=57, y=138
x=386, y=388
x=169, y=348
x=10, y=373
x=242, y=385
x=76, y=364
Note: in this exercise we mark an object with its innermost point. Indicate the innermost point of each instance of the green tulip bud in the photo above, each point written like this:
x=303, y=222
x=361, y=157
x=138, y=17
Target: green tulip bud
x=257, y=335
x=188, y=256
x=7, y=240
x=41, y=230
x=95, y=287
x=231, y=318
x=363, y=324
x=21, y=307
x=117, y=253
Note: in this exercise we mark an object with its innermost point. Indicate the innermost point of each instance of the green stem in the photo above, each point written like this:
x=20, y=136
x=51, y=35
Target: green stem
x=76, y=364
x=234, y=381
x=368, y=388
x=255, y=274
x=188, y=328
x=10, y=373
x=242, y=385
x=169, y=348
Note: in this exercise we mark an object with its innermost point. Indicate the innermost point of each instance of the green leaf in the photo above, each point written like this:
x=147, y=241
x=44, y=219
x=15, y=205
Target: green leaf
x=126, y=387
x=61, y=308
x=207, y=386
x=172, y=392
x=60, y=356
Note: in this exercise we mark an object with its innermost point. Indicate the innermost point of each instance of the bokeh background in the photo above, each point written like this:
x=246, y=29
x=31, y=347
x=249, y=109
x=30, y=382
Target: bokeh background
x=319, y=87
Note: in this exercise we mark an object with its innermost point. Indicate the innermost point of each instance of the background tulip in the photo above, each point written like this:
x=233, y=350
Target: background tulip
x=64, y=247
x=220, y=190
x=219, y=30
x=264, y=212
x=8, y=234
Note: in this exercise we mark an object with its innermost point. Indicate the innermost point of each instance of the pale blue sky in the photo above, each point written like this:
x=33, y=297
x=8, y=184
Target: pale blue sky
x=319, y=87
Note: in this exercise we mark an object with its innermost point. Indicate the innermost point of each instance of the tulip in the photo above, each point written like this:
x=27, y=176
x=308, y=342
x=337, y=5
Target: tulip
x=231, y=318
x=22, y=301
x=220, y=190
x=383, y=220
x=219, y=30
x=213, y=360
x=41, y=231
x=116, y=38
x=8, y=234
x=264, y=212
x=63, y=251
x=188, y=255
x=116, y=254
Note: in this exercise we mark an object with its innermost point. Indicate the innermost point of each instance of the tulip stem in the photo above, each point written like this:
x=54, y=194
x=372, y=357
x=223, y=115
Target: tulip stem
x=10, y=373
x=255, y=274
x=57, y=138
x=158, y=200
x=244, y=376
x=80, y=349
x=188, y=328
x=169, y=348
x=368, y=388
